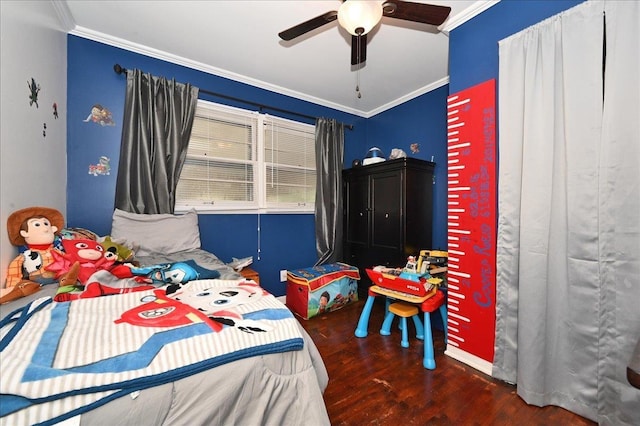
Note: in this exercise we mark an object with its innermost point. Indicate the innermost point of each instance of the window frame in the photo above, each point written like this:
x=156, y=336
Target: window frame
x=259, y=204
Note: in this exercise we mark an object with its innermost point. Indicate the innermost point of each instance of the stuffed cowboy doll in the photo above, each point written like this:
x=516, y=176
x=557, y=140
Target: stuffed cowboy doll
x=35, y=228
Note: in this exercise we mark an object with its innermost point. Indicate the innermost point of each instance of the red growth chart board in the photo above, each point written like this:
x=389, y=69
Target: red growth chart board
x=471, y=220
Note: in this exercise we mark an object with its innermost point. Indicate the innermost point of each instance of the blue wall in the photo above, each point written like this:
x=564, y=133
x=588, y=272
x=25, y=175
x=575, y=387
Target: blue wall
x=473, y=46
x=422, y=120
x=285, y=241
x=473, y=59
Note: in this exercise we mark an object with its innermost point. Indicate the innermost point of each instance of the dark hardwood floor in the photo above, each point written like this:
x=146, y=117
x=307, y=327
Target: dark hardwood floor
x=374, y=381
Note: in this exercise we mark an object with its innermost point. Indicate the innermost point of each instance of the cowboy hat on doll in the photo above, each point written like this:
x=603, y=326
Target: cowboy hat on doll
x=35, y=228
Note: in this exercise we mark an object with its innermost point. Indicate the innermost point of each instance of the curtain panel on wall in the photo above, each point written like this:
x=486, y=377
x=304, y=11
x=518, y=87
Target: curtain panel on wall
x=158, y=117
x=328, y=214
x=568, y=250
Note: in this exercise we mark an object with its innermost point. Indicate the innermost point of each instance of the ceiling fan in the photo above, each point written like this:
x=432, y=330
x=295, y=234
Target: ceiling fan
x=359, y=17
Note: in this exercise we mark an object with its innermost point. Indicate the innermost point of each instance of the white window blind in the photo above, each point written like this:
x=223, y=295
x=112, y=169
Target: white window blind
x=242, y=160
x=289, y=164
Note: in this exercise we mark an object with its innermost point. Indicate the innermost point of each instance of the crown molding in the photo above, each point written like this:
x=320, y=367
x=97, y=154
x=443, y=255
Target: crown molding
x=66, y=19
x=467, y=14
x=64, y=15
x=419, y=92
x=178, y=60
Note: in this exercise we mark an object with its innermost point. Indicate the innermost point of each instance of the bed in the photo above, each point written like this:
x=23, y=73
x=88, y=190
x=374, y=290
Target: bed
x=105, y=360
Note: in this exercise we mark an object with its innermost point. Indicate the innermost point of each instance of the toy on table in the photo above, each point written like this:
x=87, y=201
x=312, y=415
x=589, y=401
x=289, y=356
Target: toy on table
x=410, y=279
x=410, y=271
x=435, y=263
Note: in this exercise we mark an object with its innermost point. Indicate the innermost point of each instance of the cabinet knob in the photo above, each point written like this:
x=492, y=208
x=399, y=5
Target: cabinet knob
x=386, y=215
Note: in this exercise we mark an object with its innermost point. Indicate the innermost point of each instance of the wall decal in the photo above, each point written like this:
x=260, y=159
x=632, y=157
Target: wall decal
x=471, y=201
x=34, y=89
x=55, y=110
x=102, y=168
x=100, y=115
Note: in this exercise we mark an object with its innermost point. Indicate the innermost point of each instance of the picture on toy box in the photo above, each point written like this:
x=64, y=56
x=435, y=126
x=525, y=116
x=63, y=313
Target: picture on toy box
x=333, y=298
x=320, y=289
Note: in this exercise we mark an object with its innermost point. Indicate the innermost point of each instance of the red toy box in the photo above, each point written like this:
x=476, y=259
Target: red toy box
x=324, y=288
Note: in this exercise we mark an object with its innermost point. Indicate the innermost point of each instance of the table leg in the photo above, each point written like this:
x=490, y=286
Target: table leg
x=363, y=322
x=386, y=324
x=443, y=315
x=405, y=334
x=428, y=362
x=419, y=327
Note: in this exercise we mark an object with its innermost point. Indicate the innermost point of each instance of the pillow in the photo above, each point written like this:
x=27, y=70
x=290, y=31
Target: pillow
x=156, y=233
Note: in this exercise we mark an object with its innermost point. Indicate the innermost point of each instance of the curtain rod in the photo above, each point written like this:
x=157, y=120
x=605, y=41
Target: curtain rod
x=120, y=70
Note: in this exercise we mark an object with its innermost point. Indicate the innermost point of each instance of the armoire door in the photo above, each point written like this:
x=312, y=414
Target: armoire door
x=386, y=210
x=357, y=215
x=358, y=211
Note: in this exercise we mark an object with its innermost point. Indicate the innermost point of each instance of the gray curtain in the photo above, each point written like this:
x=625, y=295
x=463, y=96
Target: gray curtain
x=568, y=253
x=329, y=160
x=158, y=117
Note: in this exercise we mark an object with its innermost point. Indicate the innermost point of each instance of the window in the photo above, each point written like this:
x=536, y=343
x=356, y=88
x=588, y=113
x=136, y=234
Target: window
x=241, y=160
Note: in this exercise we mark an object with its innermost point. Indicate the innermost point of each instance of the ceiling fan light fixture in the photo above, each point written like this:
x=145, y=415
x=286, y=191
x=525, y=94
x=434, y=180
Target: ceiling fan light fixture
x=359, y=17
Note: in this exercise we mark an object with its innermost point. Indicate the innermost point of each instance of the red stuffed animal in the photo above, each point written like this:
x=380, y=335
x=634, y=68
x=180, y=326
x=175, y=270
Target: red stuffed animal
x=81, y=258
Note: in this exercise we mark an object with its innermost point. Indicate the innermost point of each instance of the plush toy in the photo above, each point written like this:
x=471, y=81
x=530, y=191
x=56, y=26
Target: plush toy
x=173, y=273
x=35, y=228
x=81, y=259
x=73, y=234
x=120, y=252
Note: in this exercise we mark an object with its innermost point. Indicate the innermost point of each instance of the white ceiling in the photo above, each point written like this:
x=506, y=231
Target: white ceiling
x=239, y=40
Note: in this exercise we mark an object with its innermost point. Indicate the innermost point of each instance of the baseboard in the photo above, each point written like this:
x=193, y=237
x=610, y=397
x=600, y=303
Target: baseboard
x=469, y=359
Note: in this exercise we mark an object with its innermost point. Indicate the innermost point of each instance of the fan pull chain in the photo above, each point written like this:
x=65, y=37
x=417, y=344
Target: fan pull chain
x=358, y=94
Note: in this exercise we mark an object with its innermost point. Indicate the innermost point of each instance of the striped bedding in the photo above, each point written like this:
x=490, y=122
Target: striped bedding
x=59, y=360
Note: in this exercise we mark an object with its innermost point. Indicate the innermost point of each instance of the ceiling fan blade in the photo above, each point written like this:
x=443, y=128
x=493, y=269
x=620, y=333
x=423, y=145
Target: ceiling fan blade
x=416, y=12
x=358, y=49
x=310, y=25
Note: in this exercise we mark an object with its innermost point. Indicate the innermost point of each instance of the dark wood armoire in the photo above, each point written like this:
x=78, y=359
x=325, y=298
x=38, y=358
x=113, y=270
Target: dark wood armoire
x=387, y=213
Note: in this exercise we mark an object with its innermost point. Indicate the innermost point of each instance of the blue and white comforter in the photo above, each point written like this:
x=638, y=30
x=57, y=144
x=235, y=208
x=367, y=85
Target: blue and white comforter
x=62, y=359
